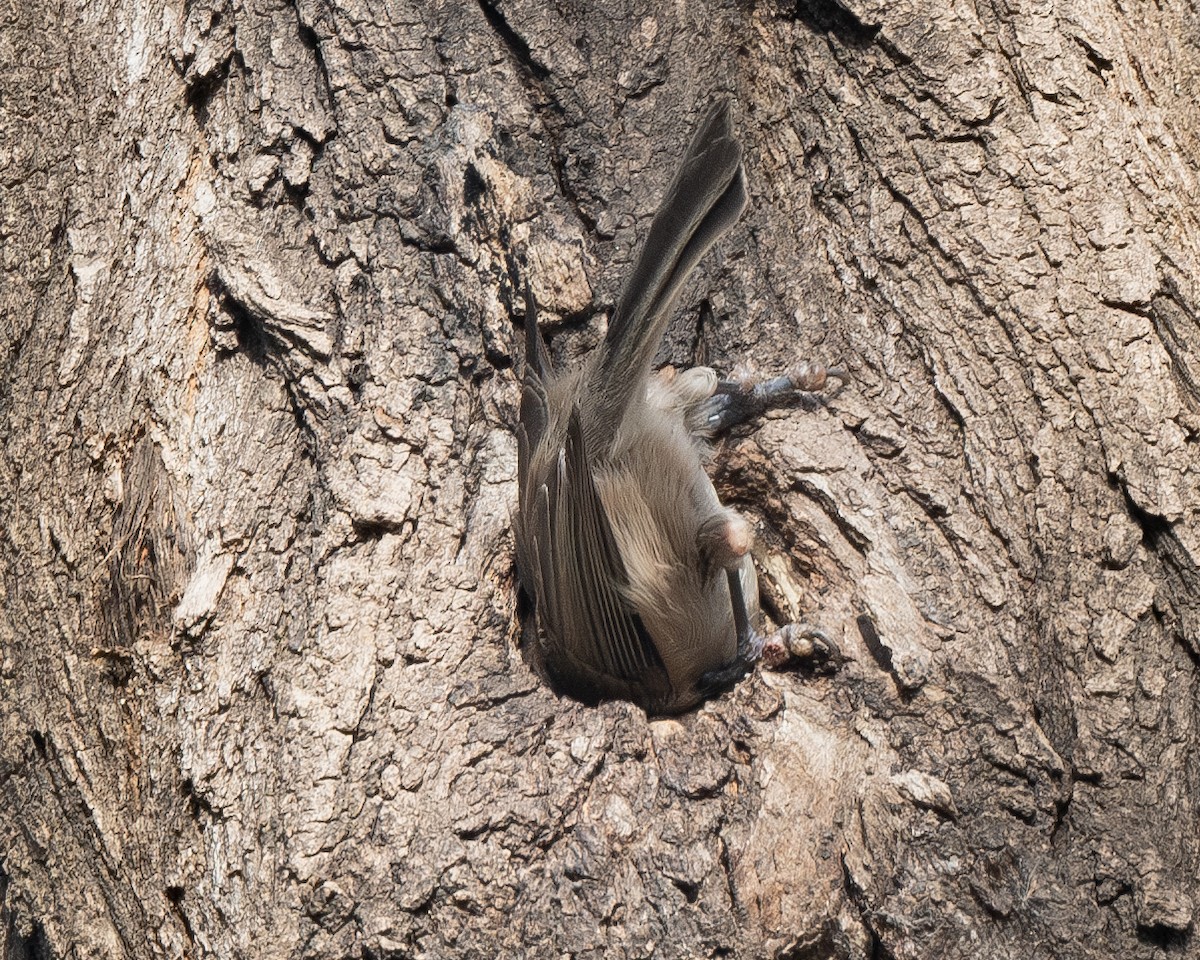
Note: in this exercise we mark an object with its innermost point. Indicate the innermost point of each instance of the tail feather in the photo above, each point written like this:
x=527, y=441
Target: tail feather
x=703, y=202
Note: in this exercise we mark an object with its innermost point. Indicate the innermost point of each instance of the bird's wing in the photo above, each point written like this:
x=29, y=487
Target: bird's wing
x=592, y=619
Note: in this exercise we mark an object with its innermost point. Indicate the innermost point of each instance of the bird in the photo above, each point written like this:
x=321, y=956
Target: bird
x=641, y=580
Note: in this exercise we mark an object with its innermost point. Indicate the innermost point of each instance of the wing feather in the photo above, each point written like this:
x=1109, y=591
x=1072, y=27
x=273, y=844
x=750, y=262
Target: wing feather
x=604, y=631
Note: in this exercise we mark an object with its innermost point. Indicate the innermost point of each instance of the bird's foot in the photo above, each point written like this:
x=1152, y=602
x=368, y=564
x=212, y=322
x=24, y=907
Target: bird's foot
x=802, y=645
x=743, y=396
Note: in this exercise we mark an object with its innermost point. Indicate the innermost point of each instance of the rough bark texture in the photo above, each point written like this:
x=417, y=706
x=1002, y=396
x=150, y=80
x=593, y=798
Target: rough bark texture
x=262, y=692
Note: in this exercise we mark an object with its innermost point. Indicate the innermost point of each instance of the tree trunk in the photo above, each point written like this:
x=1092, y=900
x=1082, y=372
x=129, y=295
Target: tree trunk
x=263, y=690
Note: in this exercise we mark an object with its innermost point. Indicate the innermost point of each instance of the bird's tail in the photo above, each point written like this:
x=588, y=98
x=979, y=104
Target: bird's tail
x=703, y=202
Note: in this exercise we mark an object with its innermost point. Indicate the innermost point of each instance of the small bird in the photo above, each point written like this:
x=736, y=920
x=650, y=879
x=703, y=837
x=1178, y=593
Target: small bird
x=642, y=582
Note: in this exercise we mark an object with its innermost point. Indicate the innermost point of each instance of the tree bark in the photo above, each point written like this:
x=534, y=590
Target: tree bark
x=263, y=690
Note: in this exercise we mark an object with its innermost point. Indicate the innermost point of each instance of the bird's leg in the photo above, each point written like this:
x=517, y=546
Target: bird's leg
x=749, y=640
x=749, y=643
x=742, y=398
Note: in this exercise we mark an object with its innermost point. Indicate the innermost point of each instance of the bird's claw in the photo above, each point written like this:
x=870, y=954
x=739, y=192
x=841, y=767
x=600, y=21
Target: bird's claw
x=802, y=644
